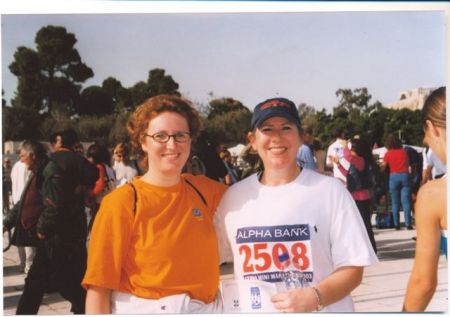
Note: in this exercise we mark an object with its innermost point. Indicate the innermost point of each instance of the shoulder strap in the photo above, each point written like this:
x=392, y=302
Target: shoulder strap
x=197, y=191
x=135, y=197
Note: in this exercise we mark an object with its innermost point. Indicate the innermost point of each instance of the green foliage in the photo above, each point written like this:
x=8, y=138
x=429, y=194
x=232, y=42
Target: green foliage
x=159, y=83
x=95, y=128
x=227, y=121
x=95, y=101
x=221, y=106
x=20, y=123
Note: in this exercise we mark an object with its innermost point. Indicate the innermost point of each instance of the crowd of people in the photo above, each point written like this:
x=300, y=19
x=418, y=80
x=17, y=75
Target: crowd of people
x=143, y=227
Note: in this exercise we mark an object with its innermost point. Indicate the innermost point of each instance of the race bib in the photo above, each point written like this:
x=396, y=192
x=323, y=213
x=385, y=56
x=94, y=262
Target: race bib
x=259, y=248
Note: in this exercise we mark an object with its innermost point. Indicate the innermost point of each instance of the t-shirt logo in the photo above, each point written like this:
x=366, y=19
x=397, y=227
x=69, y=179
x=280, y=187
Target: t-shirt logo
x=259, y=249
x=197, y=213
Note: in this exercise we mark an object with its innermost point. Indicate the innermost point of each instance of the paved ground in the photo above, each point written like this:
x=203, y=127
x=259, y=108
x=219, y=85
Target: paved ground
x=382, y=289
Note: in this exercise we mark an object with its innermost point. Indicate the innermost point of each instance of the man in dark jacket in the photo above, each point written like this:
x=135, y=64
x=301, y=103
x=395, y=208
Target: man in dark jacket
x=25, y=214
x=60, y=260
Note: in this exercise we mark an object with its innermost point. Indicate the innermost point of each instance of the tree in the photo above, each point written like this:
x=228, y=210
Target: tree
x=20, y=123
x=159, y=83
x=94, y=100
x=26, y=67
x=307, y=114
x=52, y=74
x=220, y=106
x=227, y=120
x=121, y=96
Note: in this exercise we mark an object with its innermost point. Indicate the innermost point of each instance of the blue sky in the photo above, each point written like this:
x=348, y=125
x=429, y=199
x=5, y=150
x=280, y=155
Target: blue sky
x=304, y=56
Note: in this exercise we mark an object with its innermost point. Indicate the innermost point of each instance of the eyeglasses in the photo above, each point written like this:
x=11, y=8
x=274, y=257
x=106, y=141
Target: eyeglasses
x=163, y=137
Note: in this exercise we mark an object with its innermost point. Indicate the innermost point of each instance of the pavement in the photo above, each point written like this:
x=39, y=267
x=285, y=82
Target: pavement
x=382, y=289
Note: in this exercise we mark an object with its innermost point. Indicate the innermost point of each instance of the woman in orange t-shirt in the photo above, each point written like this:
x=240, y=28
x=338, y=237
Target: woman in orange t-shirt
x=153, y=246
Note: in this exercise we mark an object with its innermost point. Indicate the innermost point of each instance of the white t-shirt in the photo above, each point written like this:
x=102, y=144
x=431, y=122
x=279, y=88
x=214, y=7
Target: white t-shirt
x=337, y=149
x=124, y=173
x=429, y=159
x=19, y=176
x=313, y=218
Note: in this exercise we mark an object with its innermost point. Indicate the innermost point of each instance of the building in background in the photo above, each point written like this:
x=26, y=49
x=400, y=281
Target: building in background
x=412, y=99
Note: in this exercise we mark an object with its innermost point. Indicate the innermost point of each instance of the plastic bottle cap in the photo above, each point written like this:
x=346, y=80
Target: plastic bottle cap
x=283, y=257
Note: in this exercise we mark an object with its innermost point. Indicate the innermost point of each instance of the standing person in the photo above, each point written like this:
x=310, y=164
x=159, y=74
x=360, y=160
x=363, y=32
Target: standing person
x=19, y=176
x=359, y=180
x=305, y=156
x=60, y=259
x=396, y=158
x=121, y=166
x=232, y=176
x=431, y=210
x=6, y=180
x=336, y=150
x=25, y=213
x=288, y=209
x=433, y=168
x=153, y=247
x=319, y=156
x=106, y=182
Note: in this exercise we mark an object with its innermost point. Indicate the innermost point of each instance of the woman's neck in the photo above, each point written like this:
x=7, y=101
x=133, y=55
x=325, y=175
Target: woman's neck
x=280, y=177
x=161, y=179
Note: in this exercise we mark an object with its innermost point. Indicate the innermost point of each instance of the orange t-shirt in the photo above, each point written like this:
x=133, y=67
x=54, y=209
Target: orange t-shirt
x=167, y=247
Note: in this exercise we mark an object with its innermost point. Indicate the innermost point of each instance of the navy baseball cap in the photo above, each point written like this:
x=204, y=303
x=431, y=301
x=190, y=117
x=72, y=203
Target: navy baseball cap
x=275, y=107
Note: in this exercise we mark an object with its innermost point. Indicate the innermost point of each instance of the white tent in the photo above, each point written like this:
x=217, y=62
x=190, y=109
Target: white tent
x=236, y=150
x=382, y=150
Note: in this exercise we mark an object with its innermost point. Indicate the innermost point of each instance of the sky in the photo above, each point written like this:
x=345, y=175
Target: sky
x=250, y=56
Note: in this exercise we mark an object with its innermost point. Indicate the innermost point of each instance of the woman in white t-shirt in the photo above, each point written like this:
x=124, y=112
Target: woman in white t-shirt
x=297, y=213
x=122, y=168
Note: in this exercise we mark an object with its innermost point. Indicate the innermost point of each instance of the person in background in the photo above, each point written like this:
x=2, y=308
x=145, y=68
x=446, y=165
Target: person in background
x=106, y=182
x=305, y=156
x=232, y=176
x=55, y=141
x=433, y=168
x=206, y=150
x=122, y=168
x=153, y=248
x=431, y=210
x=319, y=156
x=25, y=213
x=336, y=150
x=396, y=158
x=359, y=180
x=61, y=228
x=323, y=233
x=78, y=148
x=19, y=176
x=6, y=181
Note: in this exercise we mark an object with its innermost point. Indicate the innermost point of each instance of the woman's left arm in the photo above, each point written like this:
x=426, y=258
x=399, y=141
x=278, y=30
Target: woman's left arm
x=423, y=280
x=332, y=289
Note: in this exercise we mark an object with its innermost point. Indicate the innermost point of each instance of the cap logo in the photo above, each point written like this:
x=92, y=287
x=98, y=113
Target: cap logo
x=274, y=103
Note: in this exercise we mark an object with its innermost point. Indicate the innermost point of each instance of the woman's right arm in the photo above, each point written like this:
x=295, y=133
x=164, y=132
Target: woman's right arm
x=98, y=300
x=423, y=280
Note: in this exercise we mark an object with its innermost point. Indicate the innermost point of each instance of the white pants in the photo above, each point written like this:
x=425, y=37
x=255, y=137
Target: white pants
x=125, y=303
x=26, y=257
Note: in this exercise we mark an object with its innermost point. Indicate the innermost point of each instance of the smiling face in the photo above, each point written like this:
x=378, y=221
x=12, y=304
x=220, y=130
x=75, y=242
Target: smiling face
x=277, y=141
x=166, y=159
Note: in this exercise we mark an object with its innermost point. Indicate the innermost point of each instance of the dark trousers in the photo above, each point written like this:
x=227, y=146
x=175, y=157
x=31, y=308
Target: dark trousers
x=364, y=207
x=58, y=266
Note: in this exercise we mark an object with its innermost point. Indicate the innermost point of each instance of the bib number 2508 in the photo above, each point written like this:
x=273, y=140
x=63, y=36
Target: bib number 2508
x=261, y=258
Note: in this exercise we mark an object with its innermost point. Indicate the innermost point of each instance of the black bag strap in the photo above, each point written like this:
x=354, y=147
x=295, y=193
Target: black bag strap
x=197, y=191
x=135, y=197
x=188, y=182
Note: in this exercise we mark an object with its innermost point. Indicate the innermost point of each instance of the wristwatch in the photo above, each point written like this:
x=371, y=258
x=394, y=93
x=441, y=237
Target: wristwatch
x=319, y=306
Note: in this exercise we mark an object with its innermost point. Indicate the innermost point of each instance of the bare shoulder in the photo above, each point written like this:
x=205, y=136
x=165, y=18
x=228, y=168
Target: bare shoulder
x=432, y=198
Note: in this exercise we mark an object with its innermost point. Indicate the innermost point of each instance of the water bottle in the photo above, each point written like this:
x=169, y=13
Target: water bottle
x=291, y=276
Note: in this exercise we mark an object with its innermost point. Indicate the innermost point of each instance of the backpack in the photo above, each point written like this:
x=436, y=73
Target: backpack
x=358, y=180
x=110, y=183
